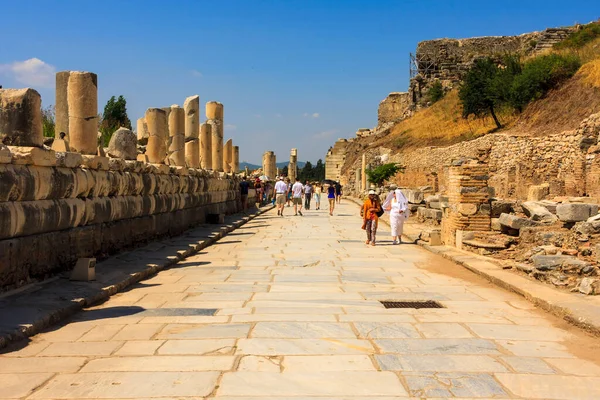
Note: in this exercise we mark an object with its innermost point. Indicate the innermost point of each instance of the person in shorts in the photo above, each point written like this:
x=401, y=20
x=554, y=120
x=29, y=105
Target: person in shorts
x=281, y=191
x=331, y=193
x=297, y=192
x=338, y=192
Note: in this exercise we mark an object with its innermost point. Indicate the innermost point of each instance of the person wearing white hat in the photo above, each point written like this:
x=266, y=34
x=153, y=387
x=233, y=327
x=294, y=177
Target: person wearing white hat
x=397, y=206
x=370, y=213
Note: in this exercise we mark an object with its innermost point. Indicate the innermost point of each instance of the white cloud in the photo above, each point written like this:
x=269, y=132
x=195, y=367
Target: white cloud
x=196, y=74
x=313, y=115
x=230, y=127
x=32, y=72
x=326, y=134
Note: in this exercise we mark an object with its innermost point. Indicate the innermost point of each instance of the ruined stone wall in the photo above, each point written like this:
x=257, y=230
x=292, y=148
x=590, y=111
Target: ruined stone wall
x=394, y=107
x=334, y=160
x=53, y=215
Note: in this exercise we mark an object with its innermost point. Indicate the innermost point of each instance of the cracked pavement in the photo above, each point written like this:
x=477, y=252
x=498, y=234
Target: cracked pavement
x=289, y=308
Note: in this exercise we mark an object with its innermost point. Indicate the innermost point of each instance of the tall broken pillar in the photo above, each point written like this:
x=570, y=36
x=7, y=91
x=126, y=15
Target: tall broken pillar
x=156, y=122
x=191, y=107
x=142, y=131
x=293, y=166
x=358, y=180
x=363, y=185
x=77, y=110
x=21, y=118
x=206, y=146
x=227, y=153
x=214, y=115
x=269, y=164
x=235, y=164
x=176, y=150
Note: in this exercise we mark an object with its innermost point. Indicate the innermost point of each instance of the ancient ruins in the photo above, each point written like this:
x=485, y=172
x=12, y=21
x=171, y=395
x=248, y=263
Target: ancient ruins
x=73, y=199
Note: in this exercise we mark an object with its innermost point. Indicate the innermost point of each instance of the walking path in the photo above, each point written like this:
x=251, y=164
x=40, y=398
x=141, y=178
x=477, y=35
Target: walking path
x=289, y=308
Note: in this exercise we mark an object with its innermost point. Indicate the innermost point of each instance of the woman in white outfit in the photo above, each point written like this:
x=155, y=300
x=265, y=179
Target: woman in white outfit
x=397, y=207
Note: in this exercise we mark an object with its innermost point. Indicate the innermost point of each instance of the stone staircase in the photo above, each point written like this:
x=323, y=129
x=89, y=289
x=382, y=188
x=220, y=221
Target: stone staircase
x=551, y=36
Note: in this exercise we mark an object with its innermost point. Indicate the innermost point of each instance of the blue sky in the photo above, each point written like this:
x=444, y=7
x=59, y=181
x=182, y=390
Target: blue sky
x=290, y=73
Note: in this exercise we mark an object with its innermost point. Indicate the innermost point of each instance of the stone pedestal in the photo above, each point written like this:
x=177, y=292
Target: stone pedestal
x=21, y=118
x=206, y=146
x=156, y=121
x=468, y=201
x=176, y=149
x=227, y=156
x=214, y=114
x=235, y=164
x=293, y=165
x=77, y=109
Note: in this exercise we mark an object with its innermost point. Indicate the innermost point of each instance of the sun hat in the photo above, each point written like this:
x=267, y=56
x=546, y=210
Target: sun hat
x=371, y=192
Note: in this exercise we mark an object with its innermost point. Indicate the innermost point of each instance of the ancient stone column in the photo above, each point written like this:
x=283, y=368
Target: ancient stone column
x=269, y=164
x=156, y=121
x=142, y=131
x=21, y=118
x=363, y=185
x=206, y=146
x=77, y=110
x=191, y=107
x=358, y=180
x=293, y=166
x=227, y=155
x=214, y=115
x=177, y=136
x=235, y=163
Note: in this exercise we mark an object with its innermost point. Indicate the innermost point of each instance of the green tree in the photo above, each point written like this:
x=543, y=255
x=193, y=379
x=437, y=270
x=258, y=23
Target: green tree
x=284, y=171
x=48, y=121
x=436, y=92
x=478, y=92
x=383, y=172
x=319, y=171
x=114, y=117
x=306, y=173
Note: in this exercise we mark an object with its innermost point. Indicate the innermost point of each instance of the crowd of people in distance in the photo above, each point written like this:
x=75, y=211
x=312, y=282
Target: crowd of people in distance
x=298, y=194
x=301, y=194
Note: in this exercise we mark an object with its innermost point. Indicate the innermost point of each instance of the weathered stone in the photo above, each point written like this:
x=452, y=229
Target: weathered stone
x=575, y=212
x=192, y=153
x=227, y=155
x=95, y=162
x=206, y=146
x=142, y=131
x=467, y=208
x=21, y=118
x=192, y=117
x=429, y=213
x=589, y=286
x=495, y=224
x=549, y=205
x=216, y=129
x=548, y=262
x=514, y=222
x=33, y=156
x=537, y=212
x=68, y=159
x=123, y=144
x=501, y=207
x=538, y=192
x=414, y=196
x=235, y=164
x=5, y=155
x=156, y=120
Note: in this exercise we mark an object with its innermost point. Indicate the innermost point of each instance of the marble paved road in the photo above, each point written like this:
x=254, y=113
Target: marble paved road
x=289, y=308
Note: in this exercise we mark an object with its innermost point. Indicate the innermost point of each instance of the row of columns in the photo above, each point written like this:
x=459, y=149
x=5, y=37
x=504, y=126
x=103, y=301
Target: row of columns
x=174, y=134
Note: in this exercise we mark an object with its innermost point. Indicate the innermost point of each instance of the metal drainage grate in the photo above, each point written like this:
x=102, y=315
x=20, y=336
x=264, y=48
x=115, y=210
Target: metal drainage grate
x=411, y=304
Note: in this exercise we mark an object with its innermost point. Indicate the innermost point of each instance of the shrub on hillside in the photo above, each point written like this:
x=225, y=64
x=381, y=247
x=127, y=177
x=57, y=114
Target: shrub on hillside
x=580, y=38
x=382, y=173
x=436, y=92
x=539, y=75
x=478, y=93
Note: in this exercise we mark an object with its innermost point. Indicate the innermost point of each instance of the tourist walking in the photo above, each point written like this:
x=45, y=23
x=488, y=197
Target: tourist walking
x=281, y=190
x=289, y=195
x=338, y=191
x=297, y=191
x=308, y=191
x=244, y=186
x=318, y=191
x=397, y=206
x=369, y=211
x=259, y=191
x=331, y=197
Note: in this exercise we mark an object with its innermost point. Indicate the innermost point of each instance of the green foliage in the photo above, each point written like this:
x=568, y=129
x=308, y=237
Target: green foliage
x=436, y=92
x=580, y=38
x=312, y=173
x=48, y=121
x=539, y=75
x=383, y=172
x=114, y=117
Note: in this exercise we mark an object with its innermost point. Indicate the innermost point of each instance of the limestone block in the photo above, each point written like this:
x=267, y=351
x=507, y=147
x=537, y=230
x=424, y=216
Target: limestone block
x=430, y=213
x=576, y=212
x=142, y=131
x=161, y=168
x=435, y=238
x=123, y=144
x=537, y=212
x=95, y=162
x=68, y=159
x=156, y=120
x=143, y=158
x=206, y=146
x=60, y=145
x=85, y=270
x=5, y=154
x=548, y=263
x=21, y=118
x=414, y=196
x=214, y=110
x=191, y=107
x=495, y=224
x=467, y=208
x=82, y=100
x=538, y=192
x=461, y=236
x=192, y=153
x=514, y=222
x=501, y=207
x=549, y=205
x=116, y=164
x=33, y=156
x=177, y=150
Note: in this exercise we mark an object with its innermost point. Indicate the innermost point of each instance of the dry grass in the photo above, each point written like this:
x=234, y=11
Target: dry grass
x=442, y=124
x=590, y=73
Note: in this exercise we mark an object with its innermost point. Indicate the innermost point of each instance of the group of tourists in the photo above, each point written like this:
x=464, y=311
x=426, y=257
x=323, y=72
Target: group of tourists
x=395, y=204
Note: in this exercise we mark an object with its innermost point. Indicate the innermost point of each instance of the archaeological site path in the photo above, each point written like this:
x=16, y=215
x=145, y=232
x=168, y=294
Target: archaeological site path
x=289, y=308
